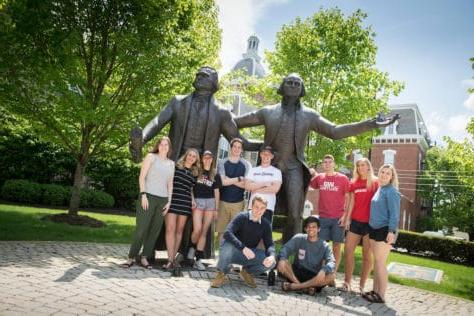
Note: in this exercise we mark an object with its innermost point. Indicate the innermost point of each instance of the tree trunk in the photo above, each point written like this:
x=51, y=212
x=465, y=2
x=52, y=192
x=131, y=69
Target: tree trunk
x=76, y=188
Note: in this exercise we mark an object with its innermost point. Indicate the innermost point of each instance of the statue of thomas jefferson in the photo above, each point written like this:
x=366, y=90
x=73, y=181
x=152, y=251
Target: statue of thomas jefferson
x=196, y=120
x=287, y=125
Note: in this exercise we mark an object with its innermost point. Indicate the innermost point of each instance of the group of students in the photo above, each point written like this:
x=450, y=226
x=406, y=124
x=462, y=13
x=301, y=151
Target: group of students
x=367, y=207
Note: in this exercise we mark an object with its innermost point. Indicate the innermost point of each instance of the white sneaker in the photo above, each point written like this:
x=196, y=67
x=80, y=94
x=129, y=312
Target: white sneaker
x=199, y=265
x=191, y=253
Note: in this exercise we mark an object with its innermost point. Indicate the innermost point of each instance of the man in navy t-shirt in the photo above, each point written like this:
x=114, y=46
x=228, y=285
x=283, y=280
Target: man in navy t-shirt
x=232, y=171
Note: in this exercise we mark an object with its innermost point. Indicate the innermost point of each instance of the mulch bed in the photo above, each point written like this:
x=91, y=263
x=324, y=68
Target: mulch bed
x=78, y=220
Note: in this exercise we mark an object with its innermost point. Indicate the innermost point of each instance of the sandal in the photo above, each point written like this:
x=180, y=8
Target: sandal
x=374, y=298
x=168, y=265
x=366, y=294
x=286, y=286
x=310, y=291
x=127, y=265
x=145, y=265
x=346, y=287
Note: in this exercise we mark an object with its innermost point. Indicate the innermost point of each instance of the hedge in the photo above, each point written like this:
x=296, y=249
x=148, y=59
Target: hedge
x=52, y=194
x=445, y=249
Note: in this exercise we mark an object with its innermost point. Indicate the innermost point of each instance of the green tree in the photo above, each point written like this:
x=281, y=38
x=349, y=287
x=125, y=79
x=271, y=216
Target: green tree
x=336, y=57
x=82, y=72
x=448, y=181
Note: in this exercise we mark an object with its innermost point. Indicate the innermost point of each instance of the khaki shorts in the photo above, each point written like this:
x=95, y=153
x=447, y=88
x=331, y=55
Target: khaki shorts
x=227, y=211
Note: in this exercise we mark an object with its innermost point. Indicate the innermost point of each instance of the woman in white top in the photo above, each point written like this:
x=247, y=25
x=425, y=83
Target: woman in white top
x=156, y=186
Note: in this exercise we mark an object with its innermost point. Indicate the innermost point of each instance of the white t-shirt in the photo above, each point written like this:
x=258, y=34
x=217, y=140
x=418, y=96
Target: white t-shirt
x=267, y=174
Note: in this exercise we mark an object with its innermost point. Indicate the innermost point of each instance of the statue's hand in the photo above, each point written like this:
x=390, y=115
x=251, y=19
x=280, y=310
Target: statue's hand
x=136, y=144
x=385, y=121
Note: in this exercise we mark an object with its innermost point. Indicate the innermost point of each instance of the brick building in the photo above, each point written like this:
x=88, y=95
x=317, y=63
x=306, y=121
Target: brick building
x=404, y=144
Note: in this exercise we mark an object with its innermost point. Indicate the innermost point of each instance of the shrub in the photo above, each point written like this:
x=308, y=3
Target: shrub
x=93, y=198
x=445, y=249
x=21, y=191
x=54, y=194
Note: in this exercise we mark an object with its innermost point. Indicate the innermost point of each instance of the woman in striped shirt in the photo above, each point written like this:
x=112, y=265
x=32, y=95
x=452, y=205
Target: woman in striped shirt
x=182, y=201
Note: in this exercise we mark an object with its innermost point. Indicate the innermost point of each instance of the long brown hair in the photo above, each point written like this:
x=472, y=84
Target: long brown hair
x=212, y=171
x=156, y=148
x=195, y=168
x=370, y=174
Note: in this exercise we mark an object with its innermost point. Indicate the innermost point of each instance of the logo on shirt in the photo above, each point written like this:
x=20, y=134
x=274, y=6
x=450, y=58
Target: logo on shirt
x=301, y=254
x=263, y=174
x=329, y=186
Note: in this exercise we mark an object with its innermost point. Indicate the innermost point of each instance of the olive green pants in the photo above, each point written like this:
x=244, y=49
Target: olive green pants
x=148, y=226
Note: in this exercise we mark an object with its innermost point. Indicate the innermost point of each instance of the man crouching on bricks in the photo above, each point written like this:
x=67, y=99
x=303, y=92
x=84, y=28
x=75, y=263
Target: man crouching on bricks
x=240, y=243
x=313, y=266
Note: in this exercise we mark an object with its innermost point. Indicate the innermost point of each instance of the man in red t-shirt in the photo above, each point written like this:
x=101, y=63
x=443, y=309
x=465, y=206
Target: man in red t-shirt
x=332, y=196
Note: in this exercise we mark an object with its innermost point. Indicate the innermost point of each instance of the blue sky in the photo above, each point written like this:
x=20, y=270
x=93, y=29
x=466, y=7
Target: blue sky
x=426, y=44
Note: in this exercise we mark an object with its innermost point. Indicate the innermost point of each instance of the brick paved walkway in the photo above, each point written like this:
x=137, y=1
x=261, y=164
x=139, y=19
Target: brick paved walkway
x=68, y=278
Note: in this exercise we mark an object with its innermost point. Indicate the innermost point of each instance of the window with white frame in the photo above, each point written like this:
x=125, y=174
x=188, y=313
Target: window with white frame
x=357, y=155
x=389, y=156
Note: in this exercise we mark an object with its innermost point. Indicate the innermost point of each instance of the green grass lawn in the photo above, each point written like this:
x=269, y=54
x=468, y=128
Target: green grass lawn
x=24, y=223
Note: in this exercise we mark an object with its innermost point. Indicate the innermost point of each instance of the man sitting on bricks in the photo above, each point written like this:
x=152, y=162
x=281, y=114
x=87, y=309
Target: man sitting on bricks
x=240, y=243
x=313, y=266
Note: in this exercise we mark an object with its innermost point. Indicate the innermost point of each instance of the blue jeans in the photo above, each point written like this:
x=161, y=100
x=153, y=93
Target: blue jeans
x=229, y=254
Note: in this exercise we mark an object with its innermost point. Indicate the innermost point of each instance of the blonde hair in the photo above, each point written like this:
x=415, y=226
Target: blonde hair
x=370, y=174
x=394, y=180
x=195, y=168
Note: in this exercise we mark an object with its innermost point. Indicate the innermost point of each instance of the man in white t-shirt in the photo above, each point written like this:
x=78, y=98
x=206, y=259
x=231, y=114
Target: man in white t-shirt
x=264, y=180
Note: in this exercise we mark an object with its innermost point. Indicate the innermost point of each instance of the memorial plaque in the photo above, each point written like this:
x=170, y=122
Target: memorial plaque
x=409, y=271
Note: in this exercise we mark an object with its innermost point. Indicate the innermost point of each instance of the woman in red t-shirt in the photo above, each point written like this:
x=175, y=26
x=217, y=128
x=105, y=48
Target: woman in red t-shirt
x=362, y=188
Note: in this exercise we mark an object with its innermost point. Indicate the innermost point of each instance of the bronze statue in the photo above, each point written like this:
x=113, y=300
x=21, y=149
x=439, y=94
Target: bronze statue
x=287, y=125
x=196, y=120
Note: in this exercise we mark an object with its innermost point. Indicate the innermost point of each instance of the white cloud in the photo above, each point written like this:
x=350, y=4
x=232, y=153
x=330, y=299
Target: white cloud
x=237, y=20
x=440, y=125
x=469, y=103
x=468, y=83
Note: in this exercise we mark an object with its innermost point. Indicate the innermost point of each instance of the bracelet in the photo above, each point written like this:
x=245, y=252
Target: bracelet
x=142, y=193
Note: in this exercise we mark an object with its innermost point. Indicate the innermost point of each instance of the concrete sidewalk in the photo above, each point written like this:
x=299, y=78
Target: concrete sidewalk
x=70, y=278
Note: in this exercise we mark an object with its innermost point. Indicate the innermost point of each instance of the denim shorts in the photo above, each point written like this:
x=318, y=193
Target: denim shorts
x=206, y=204
x=330, y=230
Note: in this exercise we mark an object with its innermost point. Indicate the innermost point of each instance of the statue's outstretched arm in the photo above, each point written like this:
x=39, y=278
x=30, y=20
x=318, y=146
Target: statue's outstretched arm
x=230, y=130
x=138, y=137
x=254, y=118
x=158, y=122
x=333, y=131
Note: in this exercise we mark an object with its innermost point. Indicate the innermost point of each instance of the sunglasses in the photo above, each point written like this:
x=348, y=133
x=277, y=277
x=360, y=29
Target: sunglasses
x=293, y=83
